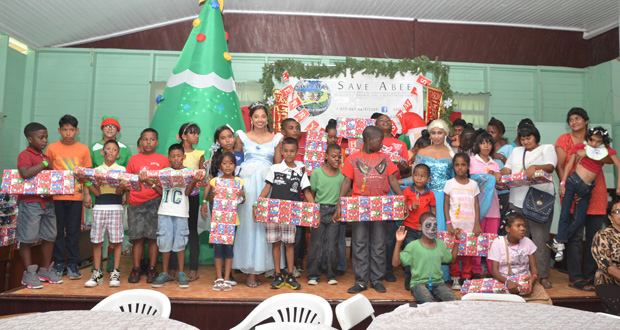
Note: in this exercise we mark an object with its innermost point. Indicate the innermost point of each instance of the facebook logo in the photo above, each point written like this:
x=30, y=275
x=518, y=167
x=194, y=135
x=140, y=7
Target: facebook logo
x=384, y=109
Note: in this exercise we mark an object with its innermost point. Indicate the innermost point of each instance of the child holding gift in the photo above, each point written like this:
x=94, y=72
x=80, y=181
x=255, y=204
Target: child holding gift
x=424, y=257
x=288, y=179
x=66, y=155
x=482, y=163
x=225, y=140
x=107, y=215
x=370, y=173
x=462, y=212
x=513, y=254
x=580, y=184
x=36, y=218
x=325, y=182
x=420, y=200
x=223, y=253
x=173, y=215
x=143, y=205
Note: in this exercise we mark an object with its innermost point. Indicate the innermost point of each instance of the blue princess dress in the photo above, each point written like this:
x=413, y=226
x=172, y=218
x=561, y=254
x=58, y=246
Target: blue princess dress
x=252, y=253
x=441, y=171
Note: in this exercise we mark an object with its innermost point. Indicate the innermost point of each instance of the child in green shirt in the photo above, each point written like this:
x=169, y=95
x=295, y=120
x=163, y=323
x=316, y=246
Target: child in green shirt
x=425, y=257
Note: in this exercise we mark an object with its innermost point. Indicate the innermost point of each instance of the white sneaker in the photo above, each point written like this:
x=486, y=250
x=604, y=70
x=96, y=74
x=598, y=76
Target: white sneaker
x=115, y=278
x=456, y=285
x=95, y=279
x=296, y=273
x=313, y=281
x=332, y=281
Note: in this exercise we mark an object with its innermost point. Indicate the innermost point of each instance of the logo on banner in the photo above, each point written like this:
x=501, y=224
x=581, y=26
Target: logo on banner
x=285, y=76
x=286, y=91
x=384, y=109
x=312, y=126
x=423, y=80
x=315, y=95
x=408, y=106
x=414, y=91
x=303, y=114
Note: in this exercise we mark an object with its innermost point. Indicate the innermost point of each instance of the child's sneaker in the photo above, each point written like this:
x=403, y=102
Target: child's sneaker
x=292, y=283
x=49, y=275
x=313, y=281
x=559, y=256
x=95, y=279
x=30, y=278
x=161, y=280
x=219, y=283
x=270, y=274
x=59, y=269
x=115, y=278
x=182, y=280
x=152, y=274
x=277, y=282
x=357, y=288
x=135, y=275
x=73, y=273
x=456, y=284
x=332, y=281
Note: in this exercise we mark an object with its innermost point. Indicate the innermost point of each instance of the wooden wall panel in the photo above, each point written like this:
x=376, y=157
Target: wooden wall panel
x=604, y=47
x=338, y=36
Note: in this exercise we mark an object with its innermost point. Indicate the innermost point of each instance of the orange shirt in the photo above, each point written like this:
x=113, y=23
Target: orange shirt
x=67, y=158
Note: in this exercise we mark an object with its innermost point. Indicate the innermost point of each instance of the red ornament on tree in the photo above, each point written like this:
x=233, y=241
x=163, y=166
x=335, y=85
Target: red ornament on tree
x=201, y=37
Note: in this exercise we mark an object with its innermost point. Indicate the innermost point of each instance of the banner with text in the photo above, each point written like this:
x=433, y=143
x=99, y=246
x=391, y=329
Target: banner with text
x=358, y=96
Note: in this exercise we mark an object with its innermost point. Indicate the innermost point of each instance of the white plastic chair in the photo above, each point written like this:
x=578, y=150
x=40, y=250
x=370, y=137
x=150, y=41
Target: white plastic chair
x=138, y=301
x=291, y=308
x=609, y=315
x=493, y=297
x=353, y=311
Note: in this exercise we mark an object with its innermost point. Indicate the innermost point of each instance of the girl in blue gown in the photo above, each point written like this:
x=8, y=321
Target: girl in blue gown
x=438, y=157
x=251, y=251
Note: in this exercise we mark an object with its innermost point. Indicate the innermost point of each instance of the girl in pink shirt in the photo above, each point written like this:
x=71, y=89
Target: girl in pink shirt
x=482, y=163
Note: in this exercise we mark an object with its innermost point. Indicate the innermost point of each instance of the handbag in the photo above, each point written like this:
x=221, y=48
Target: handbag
x=538, y=205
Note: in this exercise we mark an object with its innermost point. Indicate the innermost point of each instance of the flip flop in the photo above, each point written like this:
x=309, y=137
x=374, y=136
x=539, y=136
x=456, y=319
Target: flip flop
x=547, y=285
x=192, y=279
x=581, y=285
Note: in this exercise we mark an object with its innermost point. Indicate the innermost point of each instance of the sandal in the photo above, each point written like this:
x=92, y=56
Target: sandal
x=546, y=284
x=219, y=284
x=192, y=279
x=581, y=285
x=252, y=285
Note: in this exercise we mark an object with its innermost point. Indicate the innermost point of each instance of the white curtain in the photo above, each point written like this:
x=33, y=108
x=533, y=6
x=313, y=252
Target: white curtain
x=474, y=108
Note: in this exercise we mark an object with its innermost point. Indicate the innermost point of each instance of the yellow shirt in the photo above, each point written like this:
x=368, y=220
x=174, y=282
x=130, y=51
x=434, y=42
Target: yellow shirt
x=212, y=183
x=192, y=159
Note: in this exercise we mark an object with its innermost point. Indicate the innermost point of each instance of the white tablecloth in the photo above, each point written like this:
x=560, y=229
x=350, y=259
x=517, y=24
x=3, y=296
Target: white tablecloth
x=64, y=320
x=491, y=315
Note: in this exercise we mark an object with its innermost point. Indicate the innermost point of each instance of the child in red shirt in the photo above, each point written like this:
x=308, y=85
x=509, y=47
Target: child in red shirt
x=370, y=173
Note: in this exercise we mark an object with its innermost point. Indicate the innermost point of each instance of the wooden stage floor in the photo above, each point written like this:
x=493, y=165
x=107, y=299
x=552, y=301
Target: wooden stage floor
x=200, y=306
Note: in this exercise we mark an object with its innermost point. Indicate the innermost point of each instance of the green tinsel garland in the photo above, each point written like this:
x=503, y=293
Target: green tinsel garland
x=420, y=65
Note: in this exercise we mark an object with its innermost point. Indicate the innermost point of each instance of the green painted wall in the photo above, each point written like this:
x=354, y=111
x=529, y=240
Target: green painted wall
x=91, y=83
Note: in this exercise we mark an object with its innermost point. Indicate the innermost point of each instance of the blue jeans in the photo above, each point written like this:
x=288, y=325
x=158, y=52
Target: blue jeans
x=440, y=291
x=412, y=235
x=574, y=186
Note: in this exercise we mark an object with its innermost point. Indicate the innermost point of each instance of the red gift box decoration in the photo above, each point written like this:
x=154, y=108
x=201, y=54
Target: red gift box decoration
x=490, y=285
x=470, y=244
x=372, y=208
x=44, y=183
x=352, y=128
x=520, y=180
x=271, y=210
x=314, y=155
x=224, y=212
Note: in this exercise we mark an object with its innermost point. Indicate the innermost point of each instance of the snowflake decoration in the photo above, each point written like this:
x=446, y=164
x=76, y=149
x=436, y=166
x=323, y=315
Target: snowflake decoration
x=270, y=101
x=447, y=103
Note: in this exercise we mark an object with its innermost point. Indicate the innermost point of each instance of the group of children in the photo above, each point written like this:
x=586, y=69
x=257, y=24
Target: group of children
x=163, y=217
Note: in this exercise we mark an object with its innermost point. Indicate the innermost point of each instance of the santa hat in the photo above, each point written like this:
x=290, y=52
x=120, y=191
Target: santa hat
x=110, y=121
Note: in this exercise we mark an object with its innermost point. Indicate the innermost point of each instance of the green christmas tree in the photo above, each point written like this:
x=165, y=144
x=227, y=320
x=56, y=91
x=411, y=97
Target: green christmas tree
x=201, y=88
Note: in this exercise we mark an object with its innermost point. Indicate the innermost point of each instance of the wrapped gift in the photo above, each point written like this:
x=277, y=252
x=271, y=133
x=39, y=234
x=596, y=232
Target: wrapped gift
x=314, y=155
x=520, y=179
x=224, y=212
x=490, y=285
x=110, y=178
x=271, y=210
x=352, y=128
x=44, y=183
x=470, y=244
x=372, y=208
x=172, y=178
x=523, y=281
